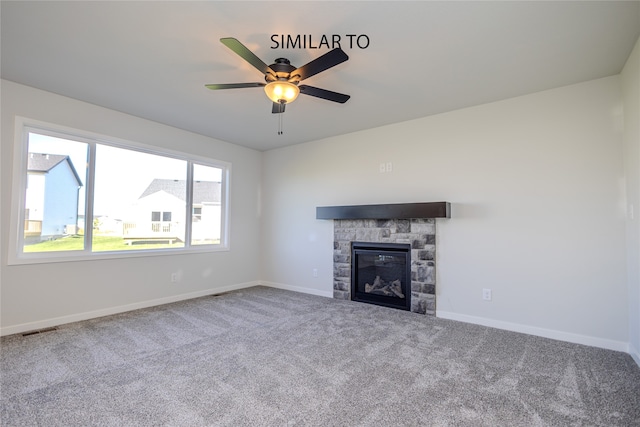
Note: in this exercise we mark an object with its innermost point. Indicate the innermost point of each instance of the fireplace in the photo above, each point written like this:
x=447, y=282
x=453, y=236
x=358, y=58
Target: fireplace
x=411, y=225
x=381, y=274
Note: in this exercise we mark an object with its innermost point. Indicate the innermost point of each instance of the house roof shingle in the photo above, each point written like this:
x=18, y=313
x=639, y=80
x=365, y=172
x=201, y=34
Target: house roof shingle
x=203, y=191
x=43, y=162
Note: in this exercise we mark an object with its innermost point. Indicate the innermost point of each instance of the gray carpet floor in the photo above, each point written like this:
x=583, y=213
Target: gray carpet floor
x=268, y=357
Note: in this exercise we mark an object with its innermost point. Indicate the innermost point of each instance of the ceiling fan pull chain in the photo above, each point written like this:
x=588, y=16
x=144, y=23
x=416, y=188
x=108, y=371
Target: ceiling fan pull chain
x=280, y=131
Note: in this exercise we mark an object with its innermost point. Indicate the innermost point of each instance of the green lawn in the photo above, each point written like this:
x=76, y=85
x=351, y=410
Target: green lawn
x=100, y=244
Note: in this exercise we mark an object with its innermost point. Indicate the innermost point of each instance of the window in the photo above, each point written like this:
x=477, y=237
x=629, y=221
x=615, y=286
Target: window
x=207, y=209
x=54, y=201
x=197, y=214
x=84, y=196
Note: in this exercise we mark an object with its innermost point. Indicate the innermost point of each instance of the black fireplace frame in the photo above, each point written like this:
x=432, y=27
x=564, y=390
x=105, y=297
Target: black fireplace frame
x=390, y=248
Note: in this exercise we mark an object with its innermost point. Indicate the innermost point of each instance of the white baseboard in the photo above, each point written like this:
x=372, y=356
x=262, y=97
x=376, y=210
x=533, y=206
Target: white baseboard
x=541, y=332
x=47, y=323
x=328, y=294
x=635, y=353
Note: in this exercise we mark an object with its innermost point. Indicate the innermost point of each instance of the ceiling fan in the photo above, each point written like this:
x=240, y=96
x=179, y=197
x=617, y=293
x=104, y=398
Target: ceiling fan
x=282, y=79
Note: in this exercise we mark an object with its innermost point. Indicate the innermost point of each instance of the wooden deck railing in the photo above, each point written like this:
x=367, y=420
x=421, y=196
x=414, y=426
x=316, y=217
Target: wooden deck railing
x=32, y=228
x=153, y=230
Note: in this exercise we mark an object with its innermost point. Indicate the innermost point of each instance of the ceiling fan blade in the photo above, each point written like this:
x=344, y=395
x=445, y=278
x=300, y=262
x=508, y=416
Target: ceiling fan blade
x=246, y=54
x=318, y=65
x=233, y=85
x=277, y=108
x=324, y=94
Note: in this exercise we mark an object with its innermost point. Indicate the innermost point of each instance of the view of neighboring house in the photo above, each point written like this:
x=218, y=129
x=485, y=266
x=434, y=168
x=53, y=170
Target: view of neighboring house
x=105, y=224
x=51, y=202
x=159, y=213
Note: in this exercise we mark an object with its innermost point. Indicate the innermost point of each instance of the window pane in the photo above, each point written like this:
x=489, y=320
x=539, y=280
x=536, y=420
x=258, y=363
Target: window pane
x=54, y=206
x=207, y=197
x=133, y=192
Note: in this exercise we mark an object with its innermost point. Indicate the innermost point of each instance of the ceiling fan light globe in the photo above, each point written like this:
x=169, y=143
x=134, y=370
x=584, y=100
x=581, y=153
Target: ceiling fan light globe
x=290, y=93
x=280, y=91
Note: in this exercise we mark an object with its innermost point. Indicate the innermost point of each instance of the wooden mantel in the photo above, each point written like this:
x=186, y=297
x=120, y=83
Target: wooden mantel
x=388, y=211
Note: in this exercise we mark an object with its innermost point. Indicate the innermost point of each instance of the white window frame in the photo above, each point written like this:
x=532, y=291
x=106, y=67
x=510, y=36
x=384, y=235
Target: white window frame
x=16, y=255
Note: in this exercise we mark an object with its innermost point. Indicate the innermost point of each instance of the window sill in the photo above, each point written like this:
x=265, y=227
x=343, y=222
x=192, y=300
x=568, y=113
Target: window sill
x=52, y=257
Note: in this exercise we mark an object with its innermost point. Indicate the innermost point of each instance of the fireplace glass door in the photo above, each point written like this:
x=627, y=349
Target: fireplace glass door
x=381, y=274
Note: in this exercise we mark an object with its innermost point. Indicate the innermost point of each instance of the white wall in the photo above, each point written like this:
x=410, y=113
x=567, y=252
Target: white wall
x=40, y=295
x=630, y=79
x=537, y=191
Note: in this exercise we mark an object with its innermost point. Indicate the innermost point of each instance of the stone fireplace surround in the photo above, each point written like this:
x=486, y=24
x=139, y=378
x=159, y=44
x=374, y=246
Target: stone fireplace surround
x=411, y=223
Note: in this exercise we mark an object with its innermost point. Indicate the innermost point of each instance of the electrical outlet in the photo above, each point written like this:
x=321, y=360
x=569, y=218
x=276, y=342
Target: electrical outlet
x=315, y=272
x=486, y=294
x=175, y=277
x=382, y=168
x=389, y=167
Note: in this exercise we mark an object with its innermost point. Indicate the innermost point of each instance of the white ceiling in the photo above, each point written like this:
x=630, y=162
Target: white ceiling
x=152, y=59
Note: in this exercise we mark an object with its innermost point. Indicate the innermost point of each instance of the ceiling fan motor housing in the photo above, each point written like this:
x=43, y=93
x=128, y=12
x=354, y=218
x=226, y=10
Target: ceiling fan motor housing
x=283, y=68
